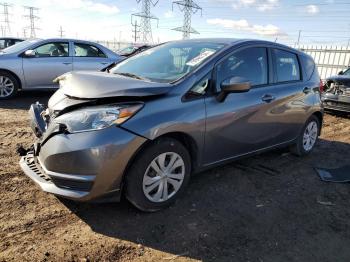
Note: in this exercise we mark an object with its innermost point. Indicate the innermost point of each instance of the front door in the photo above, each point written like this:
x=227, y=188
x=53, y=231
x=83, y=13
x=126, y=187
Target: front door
x=242, y=123
x=50, y=61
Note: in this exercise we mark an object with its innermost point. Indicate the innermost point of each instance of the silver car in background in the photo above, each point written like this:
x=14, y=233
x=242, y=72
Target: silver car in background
x=34, y=64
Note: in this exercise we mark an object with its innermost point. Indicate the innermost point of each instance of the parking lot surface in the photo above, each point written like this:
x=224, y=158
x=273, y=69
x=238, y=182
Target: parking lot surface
x=270, y=207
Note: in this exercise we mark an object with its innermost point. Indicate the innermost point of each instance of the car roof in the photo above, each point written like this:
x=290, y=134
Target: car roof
x=234, y=41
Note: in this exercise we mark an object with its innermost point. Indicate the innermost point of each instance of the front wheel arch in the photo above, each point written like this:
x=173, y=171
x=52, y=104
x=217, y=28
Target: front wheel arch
x=15, y=76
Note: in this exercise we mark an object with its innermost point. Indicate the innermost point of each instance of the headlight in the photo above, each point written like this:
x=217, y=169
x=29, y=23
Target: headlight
x=95, y=118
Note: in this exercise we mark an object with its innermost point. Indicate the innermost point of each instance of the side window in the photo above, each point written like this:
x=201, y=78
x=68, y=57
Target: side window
x=86, y=50
x=287, y=66
x=54, y=49
x=309, y=65
x=250, y=63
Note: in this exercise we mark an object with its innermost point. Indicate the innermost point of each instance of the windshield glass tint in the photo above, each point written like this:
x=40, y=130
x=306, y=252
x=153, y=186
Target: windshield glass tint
x=20, y=46
x=168, y=62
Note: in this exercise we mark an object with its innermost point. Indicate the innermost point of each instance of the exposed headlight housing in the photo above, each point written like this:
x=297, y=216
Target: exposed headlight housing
x=96, y=118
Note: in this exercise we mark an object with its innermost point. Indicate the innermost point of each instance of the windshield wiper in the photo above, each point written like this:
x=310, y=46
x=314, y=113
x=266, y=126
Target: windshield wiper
x=131, y=75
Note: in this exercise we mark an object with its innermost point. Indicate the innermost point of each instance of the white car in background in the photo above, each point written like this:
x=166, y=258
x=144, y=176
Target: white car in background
x=34, y=64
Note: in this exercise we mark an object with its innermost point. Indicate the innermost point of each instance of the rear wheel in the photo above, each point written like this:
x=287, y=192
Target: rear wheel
x=308, y=137
x=158, y=175
x=8, y=85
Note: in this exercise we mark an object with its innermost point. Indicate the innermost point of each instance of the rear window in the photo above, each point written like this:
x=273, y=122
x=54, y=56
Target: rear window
x=287, y=66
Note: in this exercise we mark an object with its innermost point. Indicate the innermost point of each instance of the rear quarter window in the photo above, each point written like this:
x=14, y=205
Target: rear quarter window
x=309, y=66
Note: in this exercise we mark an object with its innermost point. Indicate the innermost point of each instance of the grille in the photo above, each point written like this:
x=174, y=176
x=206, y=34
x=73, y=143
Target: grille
x=35, y=167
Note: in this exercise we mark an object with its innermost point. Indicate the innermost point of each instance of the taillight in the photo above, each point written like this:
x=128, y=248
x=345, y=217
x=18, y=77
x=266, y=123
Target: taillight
x=321, y=86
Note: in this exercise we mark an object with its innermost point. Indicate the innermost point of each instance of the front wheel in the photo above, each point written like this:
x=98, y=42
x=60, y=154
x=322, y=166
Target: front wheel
x=308, y=137
x=158, y=175
x=8, y=85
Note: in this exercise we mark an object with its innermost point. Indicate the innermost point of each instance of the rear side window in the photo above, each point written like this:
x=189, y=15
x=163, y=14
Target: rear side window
x=309, y=66
x=85, y=50
x=287, y=66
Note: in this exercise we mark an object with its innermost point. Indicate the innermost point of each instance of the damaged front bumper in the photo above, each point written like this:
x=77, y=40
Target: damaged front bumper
x=81, y=166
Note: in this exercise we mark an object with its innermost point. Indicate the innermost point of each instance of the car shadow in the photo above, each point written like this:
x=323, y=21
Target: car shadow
x=338, y=113
x=24, y=99
x=259, y=208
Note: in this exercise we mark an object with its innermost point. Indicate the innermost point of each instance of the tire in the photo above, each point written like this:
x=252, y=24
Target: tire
x=142, y=175
x=303, y=147
x=8, y=85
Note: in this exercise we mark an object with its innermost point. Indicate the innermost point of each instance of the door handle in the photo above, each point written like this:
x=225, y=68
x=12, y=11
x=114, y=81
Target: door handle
x=104, y=63
x=67, y=63
x=306, y=90
x=268, y=98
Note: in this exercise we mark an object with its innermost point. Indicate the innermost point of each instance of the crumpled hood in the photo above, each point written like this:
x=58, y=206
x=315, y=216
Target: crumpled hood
x=92, y=85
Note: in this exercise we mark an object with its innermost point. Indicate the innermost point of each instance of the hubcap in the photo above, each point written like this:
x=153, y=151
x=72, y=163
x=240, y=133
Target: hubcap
x=163, y=177
x=6, y=86
x=310, y=136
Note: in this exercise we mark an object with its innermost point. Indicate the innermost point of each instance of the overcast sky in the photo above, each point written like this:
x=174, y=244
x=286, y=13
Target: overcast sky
x=322, y=21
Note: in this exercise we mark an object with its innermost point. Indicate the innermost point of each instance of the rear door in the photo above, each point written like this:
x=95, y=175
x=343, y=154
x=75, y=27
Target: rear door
x=51, y=60
x=294, y=97
x=89, y=57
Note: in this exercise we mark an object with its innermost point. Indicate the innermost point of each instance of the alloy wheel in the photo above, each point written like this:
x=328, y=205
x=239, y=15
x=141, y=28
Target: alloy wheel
x=310, y=136
x=163, y=177
x=6, y=86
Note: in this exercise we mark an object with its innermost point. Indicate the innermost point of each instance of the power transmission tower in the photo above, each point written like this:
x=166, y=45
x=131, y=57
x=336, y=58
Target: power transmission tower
x=6, y=21
x=189, y=7
x=61, y=32
x=32, y=18
x=146, y=17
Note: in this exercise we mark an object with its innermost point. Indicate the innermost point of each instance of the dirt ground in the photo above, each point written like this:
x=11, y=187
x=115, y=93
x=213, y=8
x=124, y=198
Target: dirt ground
x=271, y=207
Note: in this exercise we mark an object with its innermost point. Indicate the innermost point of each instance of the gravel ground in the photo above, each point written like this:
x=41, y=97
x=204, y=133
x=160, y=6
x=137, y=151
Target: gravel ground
x=270, y=207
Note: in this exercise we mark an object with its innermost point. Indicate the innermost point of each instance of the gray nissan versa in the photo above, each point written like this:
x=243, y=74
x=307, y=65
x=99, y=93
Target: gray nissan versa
x=144, y=126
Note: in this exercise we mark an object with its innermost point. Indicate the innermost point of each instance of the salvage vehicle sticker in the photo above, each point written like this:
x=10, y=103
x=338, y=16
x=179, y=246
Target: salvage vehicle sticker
x=198, y=59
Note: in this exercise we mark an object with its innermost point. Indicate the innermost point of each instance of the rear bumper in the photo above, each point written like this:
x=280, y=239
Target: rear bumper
x=81, y=166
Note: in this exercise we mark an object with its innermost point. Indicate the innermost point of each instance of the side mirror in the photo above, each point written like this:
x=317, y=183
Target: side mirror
x=233, y=85
x=341, y=73
x=30, y=53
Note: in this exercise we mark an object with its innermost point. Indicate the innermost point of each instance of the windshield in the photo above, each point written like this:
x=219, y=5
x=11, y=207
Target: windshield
x=20, y=46
x=167, y=62
x=127, y=50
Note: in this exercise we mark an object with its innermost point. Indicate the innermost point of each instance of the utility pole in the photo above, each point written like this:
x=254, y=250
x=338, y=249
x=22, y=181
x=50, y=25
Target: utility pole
x=146, y=17
x=135, y=31
x=61, y=32
x=24, y=33
x=32, y=18
x=6, y=21
x=188, y=7
x=299, y=38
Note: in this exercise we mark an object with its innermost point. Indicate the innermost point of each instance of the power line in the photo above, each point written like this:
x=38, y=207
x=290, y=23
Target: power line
x=189, y=7
x=32, y=18
x=146, y=17
x=6, y=29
